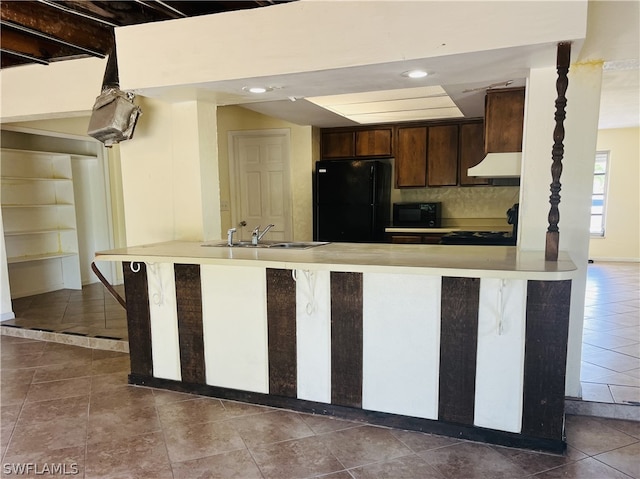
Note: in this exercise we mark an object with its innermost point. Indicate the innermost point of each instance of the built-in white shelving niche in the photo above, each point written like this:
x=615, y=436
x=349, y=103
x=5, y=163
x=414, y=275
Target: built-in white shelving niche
x=39, y=220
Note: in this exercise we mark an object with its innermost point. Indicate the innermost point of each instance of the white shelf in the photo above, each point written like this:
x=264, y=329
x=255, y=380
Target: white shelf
x=39, y=218
x=8, y=179
x=36, y=232
x=39, y=205
x=39, y=257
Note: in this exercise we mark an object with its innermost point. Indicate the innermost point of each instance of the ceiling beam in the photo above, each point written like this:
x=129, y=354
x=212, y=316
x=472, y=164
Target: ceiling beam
x=55, y=24
x=35, y=35
x=119, y=13
x=22, y=56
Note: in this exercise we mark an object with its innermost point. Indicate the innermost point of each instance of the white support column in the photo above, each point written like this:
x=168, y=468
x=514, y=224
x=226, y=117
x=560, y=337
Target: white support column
x=581, y=129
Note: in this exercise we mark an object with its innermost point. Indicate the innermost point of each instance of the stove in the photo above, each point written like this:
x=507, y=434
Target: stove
x=489, y=238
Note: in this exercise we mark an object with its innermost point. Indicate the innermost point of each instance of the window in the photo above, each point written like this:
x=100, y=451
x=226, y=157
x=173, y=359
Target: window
x=599, y=193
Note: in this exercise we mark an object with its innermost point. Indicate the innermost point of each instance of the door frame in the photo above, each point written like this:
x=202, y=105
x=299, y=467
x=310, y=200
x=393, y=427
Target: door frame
x=233, y=137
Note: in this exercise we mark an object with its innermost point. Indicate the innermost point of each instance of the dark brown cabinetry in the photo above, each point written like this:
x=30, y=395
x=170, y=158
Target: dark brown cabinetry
x=374, y=142
x=436, y=153
x=338, y=144
x=411, y=157
x=504, y=119
x=442, y=155
x=471, y=152
x=365, y=143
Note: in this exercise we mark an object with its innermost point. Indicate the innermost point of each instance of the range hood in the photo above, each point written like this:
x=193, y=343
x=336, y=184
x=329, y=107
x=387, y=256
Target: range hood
x=498, y=165
x=503, y=133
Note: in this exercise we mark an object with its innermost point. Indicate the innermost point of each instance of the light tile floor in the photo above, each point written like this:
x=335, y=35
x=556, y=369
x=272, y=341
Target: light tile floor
x=610, y=370
x=69, y=409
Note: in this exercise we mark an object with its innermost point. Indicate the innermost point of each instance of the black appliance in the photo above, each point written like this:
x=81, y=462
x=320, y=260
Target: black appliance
x=489, y=238
x=417, y=215
x=352, y=200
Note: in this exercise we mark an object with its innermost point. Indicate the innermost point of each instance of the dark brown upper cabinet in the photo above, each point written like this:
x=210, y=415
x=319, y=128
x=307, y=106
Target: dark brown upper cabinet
x=471, y=152
x=376, y=142
x=504, y=120
x=411, y=157
x=435, y=153
x=361, y=143
x=442, y=155
x=338, y=144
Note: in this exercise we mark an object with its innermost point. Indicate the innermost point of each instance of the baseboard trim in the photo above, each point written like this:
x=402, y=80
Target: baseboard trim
x=614, y=260
x=578, y=407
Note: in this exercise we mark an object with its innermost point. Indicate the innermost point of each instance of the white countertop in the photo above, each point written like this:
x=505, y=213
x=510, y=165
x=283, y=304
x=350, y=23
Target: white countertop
x=446, y=260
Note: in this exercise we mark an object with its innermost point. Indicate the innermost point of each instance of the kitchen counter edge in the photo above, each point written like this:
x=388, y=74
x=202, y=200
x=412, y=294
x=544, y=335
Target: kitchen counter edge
x=505, y=262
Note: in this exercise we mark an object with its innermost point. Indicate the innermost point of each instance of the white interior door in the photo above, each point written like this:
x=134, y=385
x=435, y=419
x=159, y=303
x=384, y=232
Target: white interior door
x=262, y=185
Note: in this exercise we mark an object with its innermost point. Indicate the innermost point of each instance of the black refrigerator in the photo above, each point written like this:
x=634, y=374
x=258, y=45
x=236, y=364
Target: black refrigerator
x=352, y=200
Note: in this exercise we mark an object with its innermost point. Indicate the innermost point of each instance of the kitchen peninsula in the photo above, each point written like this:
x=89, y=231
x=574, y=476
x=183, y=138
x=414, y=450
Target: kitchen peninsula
x=465, y=341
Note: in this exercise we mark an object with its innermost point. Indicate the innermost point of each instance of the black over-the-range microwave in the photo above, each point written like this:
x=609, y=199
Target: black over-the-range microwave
x=418, y=215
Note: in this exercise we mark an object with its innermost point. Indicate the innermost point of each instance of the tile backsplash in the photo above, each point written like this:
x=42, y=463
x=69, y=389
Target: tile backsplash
x=464, y=202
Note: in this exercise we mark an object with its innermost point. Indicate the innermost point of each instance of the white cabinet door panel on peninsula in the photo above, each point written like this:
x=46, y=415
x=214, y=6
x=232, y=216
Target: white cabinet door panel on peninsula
x=39, y=222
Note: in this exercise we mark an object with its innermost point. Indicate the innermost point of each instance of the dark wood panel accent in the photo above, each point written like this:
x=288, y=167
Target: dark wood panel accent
x=545, y=356
x=458, y=346
x=138, y=318
x=190, y=333
x=411, y=157
x=442, y=155
x=458, y=431
x=338, y=144
x=346, y=339
x=374, y=142
x=281, y=320
x=504, y=120
x=471, y=152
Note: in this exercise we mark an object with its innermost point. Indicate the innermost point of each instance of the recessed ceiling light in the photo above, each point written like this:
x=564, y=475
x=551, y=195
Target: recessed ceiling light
x=415, y=74
x=257, y=89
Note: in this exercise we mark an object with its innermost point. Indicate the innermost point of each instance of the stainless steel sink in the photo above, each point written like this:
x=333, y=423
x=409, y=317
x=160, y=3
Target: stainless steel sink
x=299, y=244
x=269, y=244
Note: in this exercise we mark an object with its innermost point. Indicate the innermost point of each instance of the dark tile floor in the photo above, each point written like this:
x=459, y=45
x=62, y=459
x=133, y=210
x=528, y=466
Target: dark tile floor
x=91, y=311
x=67, y=408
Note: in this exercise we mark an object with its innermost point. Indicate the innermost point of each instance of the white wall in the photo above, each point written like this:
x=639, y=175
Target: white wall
x=58, y=90
x=170, y=175
x=621, y=241
x=6, y=307
x=317, y=35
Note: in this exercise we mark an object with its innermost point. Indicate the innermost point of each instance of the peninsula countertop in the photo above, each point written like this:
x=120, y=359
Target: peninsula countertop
x=450, y=260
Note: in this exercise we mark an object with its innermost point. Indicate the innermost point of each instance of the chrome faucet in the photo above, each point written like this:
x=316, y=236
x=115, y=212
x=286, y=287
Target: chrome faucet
x=230, y=232
x=256, y=236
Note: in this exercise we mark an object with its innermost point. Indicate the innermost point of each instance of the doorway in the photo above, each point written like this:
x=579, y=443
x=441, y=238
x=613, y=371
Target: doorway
x=260, y=182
